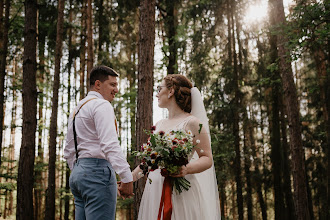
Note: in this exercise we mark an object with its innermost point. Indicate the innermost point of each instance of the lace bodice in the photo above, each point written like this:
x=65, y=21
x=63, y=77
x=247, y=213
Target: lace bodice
x=179, y=126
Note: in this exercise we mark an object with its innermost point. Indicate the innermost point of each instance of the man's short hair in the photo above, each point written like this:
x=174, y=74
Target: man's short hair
x=101, y=73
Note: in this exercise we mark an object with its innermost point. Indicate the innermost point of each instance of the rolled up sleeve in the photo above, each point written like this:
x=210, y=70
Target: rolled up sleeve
x=104, y=119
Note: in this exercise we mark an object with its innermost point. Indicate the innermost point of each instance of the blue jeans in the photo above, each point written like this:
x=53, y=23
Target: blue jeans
x=94, y=187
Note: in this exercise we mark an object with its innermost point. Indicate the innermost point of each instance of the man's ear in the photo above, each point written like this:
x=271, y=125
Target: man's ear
x=97, y=84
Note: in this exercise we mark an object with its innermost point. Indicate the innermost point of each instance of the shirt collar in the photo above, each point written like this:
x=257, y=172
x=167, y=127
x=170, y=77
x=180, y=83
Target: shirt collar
x=94, y=93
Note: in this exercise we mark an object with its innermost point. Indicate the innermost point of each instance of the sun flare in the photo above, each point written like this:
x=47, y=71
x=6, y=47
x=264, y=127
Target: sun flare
x=256, y=12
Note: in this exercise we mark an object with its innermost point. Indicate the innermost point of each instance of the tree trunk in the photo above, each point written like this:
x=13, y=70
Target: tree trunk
x=66, y=168
x=11, y=151
x=131, y=75
x=4, y=25
x=145, y=83
x=90, y=53
x=276, y=157
x=222, y=199
x=323, y=77
x=38, y=188
x=83, y=37
x=264, y=165
x=171, y=26
x=82, y=51
x=236, y=119
x=258, y=180
x=247, y=164
x=50, y=201
x=291, y=102
x=274, y=129
x=27, y=152
x=286, y=165
x=12, y=157
x=101, y=27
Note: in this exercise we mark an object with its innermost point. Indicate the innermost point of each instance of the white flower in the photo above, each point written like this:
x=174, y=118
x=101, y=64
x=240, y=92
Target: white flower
x=202, y=151
x=138, y=154
x=189, y=132
x=145, y=146
x=198, y=141
x=153, y=161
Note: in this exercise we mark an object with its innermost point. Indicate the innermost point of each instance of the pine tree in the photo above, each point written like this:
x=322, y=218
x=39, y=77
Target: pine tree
x=27, y=153
x=50, y=201
x=145, y=83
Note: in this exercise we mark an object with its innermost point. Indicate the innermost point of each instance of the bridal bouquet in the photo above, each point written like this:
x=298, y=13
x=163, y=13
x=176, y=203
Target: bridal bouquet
x=167, y=151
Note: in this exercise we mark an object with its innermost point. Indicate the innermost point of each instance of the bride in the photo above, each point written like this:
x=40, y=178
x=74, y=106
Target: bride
x=186, y=112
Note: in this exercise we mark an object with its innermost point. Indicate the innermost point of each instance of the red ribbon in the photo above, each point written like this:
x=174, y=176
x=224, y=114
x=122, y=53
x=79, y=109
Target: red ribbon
x=166, y=200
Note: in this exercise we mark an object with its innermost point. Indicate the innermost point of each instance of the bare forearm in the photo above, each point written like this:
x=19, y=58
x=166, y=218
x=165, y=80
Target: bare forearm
x=200, y=165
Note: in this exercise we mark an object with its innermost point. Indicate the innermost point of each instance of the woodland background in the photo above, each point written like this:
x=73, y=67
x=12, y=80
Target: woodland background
x=265, y=82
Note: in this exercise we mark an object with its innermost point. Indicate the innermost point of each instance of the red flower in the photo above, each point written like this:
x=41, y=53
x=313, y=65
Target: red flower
x=149, y=149
x=181, y=142
x=153, y=128
x=173, y=147
x=185, y=139
x=164, y=172
x=175, y=141
x=161, y=133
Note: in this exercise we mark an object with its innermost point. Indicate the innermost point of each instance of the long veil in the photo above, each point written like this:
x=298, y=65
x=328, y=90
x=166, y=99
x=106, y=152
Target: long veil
x=207, y=179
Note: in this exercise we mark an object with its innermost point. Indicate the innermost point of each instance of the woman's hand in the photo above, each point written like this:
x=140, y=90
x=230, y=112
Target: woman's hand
x=182, y=173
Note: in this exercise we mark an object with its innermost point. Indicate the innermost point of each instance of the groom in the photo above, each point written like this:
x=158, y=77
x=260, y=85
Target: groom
x=93, y=152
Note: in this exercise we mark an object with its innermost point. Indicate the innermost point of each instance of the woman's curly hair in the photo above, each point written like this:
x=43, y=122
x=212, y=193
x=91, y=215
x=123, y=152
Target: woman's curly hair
x=182, y=93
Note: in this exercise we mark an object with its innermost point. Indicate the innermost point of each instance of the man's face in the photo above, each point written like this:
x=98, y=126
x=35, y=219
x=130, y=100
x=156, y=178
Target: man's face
x=108, y=88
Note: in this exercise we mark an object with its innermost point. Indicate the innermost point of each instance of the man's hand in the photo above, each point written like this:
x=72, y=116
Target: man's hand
x=126, y=189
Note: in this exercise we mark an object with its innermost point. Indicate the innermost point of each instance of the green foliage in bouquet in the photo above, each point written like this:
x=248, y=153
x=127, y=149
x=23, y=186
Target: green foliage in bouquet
x=168, y=152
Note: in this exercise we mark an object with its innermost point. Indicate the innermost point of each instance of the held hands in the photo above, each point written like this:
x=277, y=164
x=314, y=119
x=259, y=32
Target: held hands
x=125, y=190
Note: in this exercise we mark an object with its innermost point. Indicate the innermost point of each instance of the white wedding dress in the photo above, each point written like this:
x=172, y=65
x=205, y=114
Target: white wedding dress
x=201, y=201
x=185, y=206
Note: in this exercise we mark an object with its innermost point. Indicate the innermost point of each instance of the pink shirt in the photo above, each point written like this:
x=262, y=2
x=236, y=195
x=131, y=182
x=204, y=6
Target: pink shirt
x=96, y=135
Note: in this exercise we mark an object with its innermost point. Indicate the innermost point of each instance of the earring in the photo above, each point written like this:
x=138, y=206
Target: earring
x=168, y=96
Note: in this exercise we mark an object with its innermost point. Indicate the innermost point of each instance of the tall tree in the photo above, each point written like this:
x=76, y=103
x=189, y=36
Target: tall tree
x=38, y=186
x=8, y=206
x=70, y=62
x=50, y=197
x=247, y=163
x=90, y=53
x=274, y=126
x=25, y=181
x=291, y=103
x=4, y=25
x=261, y=69
x=235, y=112
x=145, y=83
x=83, y=25
x=287, y=190
x=102, y=22
x=171, y=24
